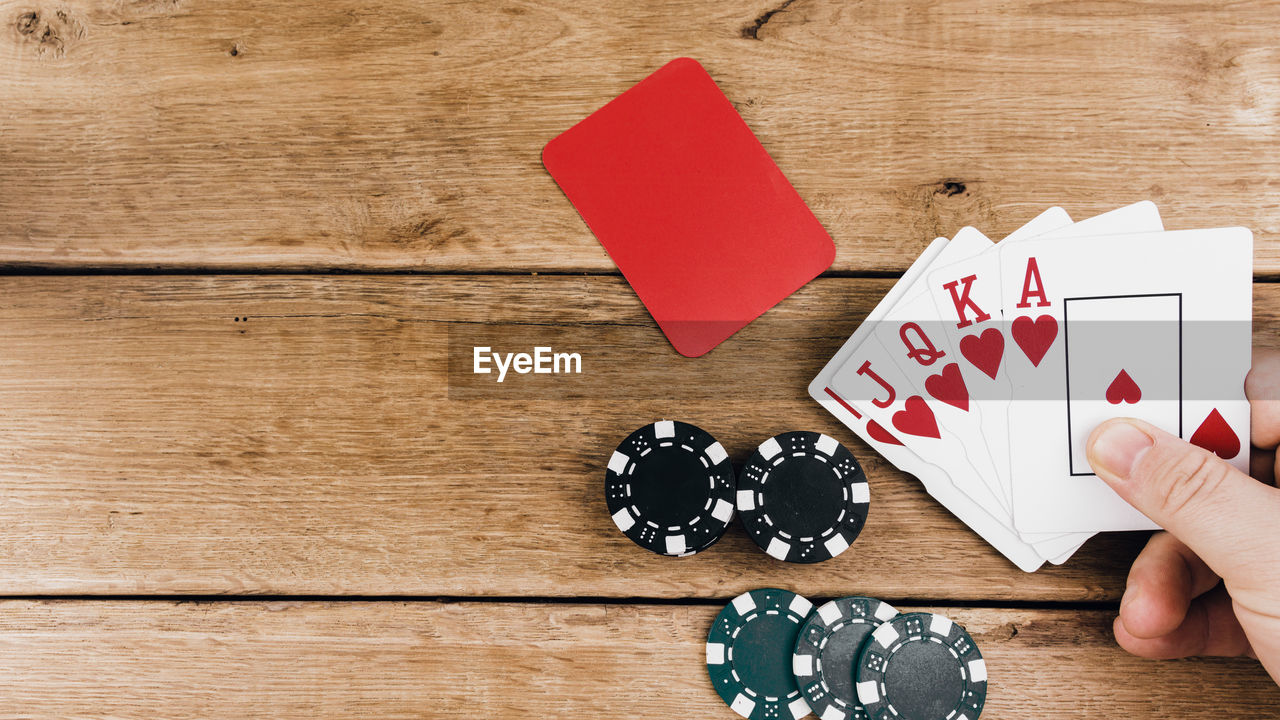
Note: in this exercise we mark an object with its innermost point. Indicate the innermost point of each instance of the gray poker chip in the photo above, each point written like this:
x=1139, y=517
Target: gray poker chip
x=921, y=666
x=827, y=650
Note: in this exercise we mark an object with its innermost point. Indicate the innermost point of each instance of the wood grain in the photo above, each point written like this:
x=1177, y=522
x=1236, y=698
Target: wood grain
x=393, y=135
x=304, y=435
x=413, y=660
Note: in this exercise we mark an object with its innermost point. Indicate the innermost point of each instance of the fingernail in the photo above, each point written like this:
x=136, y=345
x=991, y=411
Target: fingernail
x=1118, y=447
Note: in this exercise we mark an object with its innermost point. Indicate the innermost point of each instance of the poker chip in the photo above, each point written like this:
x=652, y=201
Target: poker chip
x=748, y=652
x=669, y=487
x=803, y=497
x=921, y=666
x=827, y=650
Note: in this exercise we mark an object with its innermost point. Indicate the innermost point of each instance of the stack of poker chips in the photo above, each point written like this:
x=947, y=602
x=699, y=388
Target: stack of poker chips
x=671, y=489
x=772, y=656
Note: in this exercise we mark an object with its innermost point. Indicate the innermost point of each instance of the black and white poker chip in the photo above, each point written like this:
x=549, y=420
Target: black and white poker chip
x=921, y=666
x=803, y=497
x=748, y=648
x=670, y=488
x=828, y=649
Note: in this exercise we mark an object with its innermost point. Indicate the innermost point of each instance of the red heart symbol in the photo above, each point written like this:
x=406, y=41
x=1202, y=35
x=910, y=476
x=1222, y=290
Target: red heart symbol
x=874, y=429
x=1216, y=436
x=1035, y=336
x=948, y=386
x=916, y=418
x=984, y=351
x=1123, y=389
x=877, y=432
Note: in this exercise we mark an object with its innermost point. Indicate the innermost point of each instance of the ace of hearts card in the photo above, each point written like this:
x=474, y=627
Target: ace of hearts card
x=1155, y=326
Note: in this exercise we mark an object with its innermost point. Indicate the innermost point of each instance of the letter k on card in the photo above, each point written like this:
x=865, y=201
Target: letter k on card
x=912, y=335
x=967, y=297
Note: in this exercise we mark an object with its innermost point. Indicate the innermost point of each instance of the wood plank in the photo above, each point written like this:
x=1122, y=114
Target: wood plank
x=386, y=134
x=291, y=435
x=500, y=660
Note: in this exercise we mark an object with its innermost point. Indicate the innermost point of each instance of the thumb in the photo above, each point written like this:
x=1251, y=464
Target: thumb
x=1226, y=517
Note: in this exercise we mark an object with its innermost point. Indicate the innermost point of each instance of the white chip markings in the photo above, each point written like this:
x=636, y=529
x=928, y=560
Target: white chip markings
x=623, y=520
x=940, y=625
x=800, y=606
x=769, y=448
x=868, y=692
x=675, y=544
x=829, y=612
x=802, y=665
x=836, y=544
x=860, y=492
x=826, y=445
x=618, y=462
x=884, y=635
x=715, y=653
x=743, y=705
x=833, y=713
x=778, y=549
x=885, y=612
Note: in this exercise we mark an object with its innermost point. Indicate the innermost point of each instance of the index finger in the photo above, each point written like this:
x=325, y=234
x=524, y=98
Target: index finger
x=1262, y=387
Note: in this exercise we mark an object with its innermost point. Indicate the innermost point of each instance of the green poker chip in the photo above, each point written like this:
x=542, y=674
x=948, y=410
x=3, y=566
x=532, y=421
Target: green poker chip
x=749, y=652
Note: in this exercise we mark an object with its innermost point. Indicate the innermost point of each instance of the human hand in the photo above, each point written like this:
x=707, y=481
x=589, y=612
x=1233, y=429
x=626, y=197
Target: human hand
x=1220, y=525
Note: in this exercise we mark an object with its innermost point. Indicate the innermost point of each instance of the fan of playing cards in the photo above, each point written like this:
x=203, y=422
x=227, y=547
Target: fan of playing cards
x=986, y=367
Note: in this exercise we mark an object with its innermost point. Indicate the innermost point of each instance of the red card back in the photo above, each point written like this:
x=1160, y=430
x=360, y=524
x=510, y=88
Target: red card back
x=689, y=205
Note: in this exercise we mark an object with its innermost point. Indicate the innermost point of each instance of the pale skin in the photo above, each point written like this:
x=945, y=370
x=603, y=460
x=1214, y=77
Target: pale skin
x=1210, y=583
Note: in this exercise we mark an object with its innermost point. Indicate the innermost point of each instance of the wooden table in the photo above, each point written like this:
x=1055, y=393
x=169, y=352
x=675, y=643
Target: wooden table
x=244, y=239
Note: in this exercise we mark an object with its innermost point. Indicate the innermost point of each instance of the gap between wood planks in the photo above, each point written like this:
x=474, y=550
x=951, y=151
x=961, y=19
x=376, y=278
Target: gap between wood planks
x=713, y=601
x=89, y=270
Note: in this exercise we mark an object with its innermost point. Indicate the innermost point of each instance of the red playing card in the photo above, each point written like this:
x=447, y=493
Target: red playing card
x=695, y=213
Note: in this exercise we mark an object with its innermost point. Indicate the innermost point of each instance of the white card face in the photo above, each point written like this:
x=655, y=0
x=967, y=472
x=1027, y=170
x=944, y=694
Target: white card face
x=1055, y=218
x=936, y=482
x=1135, y=218
x=912, y=339
x=967, y=296
x=871, y=381
x=1067, y=555
x=1185, y=297
x=1121, y=366
x=1061, y=546
x=874, y=435
x=994, y=524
